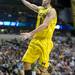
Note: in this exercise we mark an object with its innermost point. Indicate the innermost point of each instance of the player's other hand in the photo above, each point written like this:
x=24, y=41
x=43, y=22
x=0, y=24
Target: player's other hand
x=25, y=36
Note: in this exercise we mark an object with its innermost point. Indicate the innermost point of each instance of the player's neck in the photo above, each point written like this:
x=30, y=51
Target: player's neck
x=48, y=6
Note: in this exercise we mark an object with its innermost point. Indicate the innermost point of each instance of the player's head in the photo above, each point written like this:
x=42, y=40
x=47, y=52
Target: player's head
x=45, y=3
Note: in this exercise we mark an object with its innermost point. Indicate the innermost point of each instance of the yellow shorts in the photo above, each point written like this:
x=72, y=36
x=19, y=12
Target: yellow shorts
x=38, y=49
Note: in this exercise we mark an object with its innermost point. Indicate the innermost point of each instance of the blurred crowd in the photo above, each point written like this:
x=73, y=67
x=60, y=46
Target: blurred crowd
x=62, y=57
x=11, y=53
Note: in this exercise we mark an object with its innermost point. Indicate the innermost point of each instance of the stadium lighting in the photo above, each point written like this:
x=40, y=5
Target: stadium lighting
x=12, y=23
x=1, y=23
x=2, y=30
x=58, y=27
x=7, y=23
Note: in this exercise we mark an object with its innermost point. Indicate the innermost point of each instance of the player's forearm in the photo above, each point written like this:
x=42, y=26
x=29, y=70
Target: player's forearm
x=30, y=5
x=40, y=28
x=26, y=3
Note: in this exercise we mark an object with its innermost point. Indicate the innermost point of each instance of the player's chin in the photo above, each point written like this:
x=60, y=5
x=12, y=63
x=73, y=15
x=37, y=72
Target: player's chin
x=44, y=5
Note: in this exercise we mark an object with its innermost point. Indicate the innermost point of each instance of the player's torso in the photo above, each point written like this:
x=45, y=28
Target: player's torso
x=47, y=32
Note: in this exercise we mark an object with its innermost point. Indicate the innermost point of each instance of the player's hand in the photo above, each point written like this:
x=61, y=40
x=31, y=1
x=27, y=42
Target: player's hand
x=25, y=36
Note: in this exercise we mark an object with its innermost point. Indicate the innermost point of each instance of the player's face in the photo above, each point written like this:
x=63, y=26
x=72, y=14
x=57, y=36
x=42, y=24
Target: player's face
x=45, y=3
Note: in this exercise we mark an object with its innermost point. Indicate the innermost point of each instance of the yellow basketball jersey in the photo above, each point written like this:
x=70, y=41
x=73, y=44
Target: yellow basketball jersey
x=47, y=32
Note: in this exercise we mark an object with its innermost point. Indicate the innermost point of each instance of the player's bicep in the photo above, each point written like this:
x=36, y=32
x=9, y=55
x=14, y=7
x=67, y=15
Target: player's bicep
x=35, y=7
x=30, y=5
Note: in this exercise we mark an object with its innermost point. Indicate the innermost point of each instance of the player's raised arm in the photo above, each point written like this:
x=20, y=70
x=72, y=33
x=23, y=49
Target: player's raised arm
x=30, y=5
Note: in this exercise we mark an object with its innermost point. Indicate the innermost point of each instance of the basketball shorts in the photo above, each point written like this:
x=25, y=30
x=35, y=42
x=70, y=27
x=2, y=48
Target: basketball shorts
x=38, y=49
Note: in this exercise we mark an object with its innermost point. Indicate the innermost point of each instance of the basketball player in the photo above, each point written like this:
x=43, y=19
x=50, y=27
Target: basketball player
x=41, y=44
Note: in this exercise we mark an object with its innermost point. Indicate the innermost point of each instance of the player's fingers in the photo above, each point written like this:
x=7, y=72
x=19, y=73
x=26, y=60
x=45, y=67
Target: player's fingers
x=25, y=37
x=21, y=37
x=22, y=33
